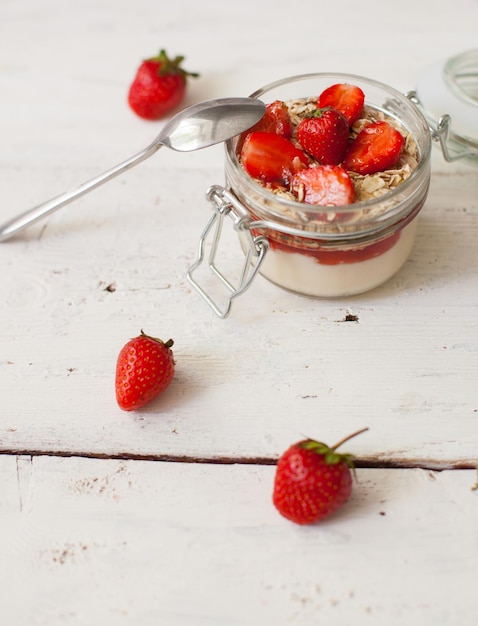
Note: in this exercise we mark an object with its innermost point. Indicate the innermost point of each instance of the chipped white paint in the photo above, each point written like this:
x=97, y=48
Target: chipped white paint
x=135, y=542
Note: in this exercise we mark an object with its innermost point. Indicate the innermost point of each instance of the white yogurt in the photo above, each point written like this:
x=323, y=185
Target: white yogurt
x=304, y=274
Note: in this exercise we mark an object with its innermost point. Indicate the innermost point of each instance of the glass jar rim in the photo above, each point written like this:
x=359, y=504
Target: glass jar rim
x=391, y=195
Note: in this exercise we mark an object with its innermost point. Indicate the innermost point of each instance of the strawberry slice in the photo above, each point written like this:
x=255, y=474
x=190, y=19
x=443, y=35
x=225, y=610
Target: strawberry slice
x=324, y=135
x=376, y=148
x=346, y=98
x=276, y=120
x=272, y=158
x=326, y=185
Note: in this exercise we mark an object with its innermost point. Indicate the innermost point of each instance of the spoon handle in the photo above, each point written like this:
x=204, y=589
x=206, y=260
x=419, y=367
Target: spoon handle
x=22, y=221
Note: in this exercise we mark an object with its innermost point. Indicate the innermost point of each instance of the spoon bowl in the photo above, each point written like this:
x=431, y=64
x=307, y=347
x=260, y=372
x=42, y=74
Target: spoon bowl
x=198, y=126
x=211, y=122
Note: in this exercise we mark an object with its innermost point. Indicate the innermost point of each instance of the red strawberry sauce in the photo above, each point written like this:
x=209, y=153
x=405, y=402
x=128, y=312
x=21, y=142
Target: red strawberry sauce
x=335, y=256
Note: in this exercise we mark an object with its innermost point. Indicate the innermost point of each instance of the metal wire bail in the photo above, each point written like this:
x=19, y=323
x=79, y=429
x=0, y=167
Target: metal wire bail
x=452, y=148
x=224, y=204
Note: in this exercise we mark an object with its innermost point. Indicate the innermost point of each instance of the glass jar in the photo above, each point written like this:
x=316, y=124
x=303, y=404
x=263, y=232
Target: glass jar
x=328, y=251
x=322, y=251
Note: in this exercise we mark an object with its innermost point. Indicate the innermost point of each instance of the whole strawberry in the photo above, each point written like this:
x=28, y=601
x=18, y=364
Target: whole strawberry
x=312, y=480
x=159, y=86
x=144, y=369
x=324, y=135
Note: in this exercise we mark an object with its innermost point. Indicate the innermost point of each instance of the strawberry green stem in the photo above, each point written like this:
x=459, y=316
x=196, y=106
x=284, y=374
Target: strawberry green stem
x=169, y=343
x=171, y=66
x=342, y=441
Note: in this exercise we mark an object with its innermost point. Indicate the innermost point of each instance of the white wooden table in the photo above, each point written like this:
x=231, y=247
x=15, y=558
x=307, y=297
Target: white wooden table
x=165, y=516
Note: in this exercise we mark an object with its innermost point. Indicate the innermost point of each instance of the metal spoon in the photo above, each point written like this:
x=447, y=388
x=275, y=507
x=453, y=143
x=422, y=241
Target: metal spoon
x=198, y=126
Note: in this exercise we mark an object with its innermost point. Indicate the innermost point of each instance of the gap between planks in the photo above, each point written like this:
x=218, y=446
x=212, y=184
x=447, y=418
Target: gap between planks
x=369, y=462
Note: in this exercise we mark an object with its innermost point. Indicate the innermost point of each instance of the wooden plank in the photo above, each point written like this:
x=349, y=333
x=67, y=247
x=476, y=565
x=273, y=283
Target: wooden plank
x=282, y=366
x=129, y=542
x=279, y=367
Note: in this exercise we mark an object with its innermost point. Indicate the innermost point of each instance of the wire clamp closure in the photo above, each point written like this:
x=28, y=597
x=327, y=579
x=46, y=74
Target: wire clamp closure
x=225, y=204
x=453, y=148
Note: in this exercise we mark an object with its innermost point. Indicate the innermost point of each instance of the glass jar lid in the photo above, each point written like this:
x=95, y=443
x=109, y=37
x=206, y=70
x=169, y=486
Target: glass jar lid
x=447, y=93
